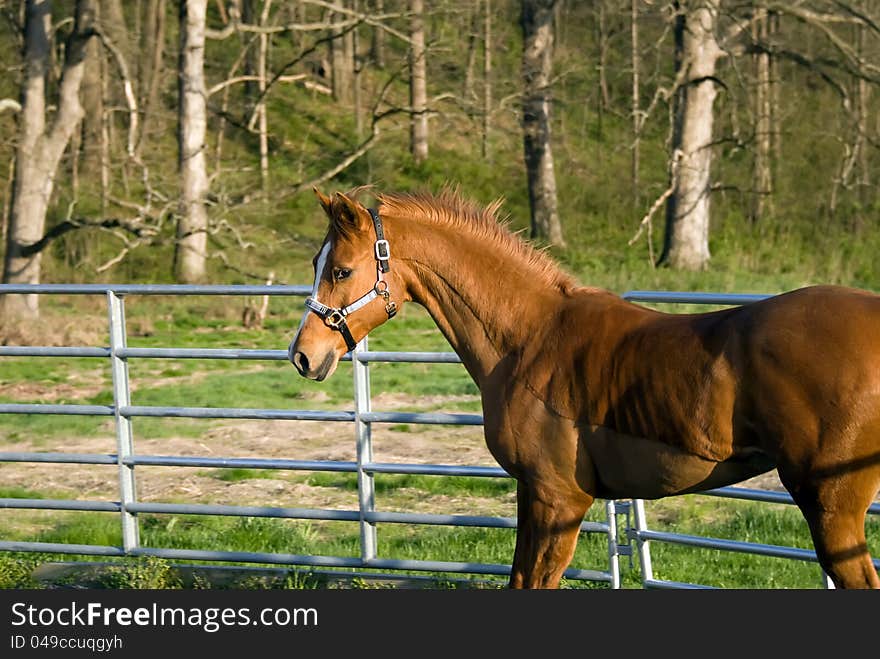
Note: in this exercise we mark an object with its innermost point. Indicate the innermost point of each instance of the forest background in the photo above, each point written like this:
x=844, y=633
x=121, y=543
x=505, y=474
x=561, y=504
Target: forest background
x=693, y=145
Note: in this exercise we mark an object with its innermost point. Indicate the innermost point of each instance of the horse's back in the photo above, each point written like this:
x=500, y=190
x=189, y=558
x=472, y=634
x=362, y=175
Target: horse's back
x=827, y=338
x=714, y=384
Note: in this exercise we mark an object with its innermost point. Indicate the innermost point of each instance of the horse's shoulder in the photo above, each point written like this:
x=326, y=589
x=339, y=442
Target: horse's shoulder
x=570, y=351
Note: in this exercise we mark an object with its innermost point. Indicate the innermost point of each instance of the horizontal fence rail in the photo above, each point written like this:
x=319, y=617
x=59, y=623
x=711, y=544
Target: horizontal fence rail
x=127, y=460
x=643, y=536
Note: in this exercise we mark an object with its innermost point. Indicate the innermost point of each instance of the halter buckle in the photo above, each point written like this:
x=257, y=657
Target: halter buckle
x=335, y=319
x=383, y=250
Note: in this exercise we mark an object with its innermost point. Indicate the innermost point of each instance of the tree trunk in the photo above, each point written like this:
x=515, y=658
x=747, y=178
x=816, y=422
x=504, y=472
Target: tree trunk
x=190, y=256
x=762, y=179
x=853, y=168
x=377, y=46
x=635, y=61
x=473, y=22
x=686, y=243
x=112, y=21
x=7, y=200
x=775, y=91
x=93, y=105
x=863, y=114
x=153, y=39
x=341, y=61
x=537, y=26
x=602, y=45
x=263, y=120
x=487, y=79
x=40, y=150
x=249, y=17
x=418, y=83
x=357, y=69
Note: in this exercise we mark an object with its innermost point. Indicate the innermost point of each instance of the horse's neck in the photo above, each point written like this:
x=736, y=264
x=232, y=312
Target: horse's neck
x=486, y=303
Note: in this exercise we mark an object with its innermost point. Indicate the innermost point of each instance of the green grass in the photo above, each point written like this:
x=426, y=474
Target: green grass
x=214, y=383
x=237, y=474
x=223, y=383
x=695, y=515
x=742, y=521
x=20, y=493
x=387, y=483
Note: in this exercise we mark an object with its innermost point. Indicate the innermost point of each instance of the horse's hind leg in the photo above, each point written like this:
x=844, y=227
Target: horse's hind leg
x=548, y=523
x=835, y=511
x=839, y=538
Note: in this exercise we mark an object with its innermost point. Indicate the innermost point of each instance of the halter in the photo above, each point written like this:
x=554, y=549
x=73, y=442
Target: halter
x=334, y=317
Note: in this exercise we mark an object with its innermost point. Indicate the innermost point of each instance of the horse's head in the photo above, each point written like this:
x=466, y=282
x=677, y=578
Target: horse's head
x=355, y=288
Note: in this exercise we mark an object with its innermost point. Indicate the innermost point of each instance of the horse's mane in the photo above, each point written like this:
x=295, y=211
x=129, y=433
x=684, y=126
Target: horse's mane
x=482, y=222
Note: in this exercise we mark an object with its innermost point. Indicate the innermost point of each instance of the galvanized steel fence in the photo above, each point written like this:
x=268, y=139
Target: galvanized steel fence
x=635, y=536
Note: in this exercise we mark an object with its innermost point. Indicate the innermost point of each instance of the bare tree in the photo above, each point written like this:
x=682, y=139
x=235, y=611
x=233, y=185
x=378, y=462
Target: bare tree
x=192, y=224
x=473, y=20
x=150, y=78
x=700, y=44
x=249, y=17
x=341, y=58
x=635, y=63
x=487, y=77
x=537, y=63
x=686, y=244
x=91, y=148
x=377, y=44
x=854, y=169
x=603, y=44
x=262, y=114
x=41, y=147
x=762, y=178
x=418, y=83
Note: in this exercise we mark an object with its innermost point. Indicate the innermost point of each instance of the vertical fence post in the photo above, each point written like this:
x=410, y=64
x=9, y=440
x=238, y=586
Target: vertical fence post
x=363, y=438
x=644, y=548
x=613, y=549
x=124, y=437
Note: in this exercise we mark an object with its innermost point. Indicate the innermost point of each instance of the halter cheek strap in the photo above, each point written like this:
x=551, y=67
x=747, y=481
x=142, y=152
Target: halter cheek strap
x=335, y=317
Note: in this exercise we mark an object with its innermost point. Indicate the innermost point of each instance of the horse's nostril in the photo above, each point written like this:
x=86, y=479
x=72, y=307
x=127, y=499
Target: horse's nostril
x=301, y=362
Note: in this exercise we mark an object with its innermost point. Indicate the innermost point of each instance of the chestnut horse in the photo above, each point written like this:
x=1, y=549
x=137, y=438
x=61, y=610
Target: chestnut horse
x=586, y=395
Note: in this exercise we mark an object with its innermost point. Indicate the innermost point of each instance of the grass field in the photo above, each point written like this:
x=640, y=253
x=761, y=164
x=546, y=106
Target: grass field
x=188, y=323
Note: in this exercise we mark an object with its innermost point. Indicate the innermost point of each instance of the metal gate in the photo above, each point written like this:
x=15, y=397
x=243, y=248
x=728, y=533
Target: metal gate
x=367, y=516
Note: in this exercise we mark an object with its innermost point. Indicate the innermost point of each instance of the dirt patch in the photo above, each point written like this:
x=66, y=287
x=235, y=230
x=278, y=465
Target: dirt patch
x=300, y=440
x=179, y=380
x=303, y=440
x=55, y=329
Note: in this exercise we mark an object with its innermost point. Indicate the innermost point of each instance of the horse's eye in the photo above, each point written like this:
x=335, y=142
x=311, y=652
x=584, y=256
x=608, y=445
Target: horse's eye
x=341, y=273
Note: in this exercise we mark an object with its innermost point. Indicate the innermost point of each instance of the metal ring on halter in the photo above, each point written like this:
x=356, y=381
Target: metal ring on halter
x=381, y=287
x=335, y=319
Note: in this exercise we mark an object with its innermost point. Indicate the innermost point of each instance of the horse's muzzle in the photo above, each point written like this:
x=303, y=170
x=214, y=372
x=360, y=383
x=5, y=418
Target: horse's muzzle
x=307, y=368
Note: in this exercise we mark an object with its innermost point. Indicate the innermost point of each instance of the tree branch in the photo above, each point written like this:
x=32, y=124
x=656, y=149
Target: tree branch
x=646, y=220
x=128, y=89
x=9, y=104
x=130, y=226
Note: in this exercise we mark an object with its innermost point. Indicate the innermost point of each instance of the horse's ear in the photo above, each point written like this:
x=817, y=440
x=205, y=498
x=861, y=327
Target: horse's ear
x=348, y=215
x=325, y=202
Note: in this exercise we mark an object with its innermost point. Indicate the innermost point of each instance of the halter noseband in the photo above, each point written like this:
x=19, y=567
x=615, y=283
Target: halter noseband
x=334, y=317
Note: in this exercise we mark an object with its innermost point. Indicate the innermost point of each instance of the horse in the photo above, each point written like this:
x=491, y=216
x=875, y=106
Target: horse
x=586, y=395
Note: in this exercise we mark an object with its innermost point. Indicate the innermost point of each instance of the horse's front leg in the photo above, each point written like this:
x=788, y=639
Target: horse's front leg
x=548, y=523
